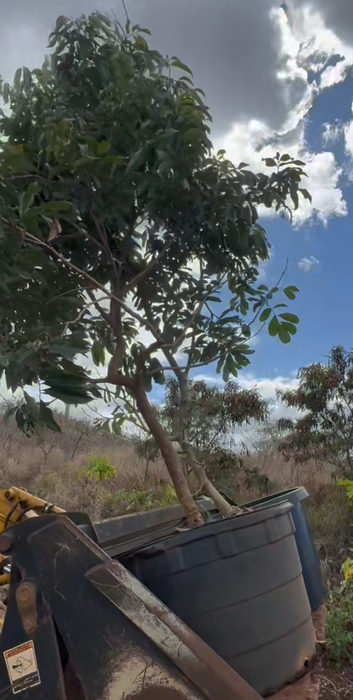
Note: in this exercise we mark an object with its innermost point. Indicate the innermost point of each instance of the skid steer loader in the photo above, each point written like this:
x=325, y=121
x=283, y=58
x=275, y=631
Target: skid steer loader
x=79, y=626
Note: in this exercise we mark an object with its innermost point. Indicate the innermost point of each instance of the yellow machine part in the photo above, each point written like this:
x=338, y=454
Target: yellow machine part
x=16, y=504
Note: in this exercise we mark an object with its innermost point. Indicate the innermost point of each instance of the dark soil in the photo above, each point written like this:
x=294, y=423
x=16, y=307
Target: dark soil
x=336, y=685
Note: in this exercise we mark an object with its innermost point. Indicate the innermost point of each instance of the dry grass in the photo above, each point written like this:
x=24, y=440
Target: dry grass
x=53, y=471
x=284, y=474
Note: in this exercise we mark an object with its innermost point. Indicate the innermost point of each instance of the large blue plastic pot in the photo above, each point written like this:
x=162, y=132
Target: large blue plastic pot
x=306, y=548
x=237, y=583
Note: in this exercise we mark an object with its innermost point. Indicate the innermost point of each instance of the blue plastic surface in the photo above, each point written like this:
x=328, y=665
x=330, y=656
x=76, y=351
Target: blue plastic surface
x=306, y=548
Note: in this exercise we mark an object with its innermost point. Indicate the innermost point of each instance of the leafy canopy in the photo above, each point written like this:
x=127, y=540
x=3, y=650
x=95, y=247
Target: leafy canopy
x=110, y=192
x=324, y=432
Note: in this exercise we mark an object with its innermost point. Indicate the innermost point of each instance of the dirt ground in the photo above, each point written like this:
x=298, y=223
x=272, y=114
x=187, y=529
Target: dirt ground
x=336, y=685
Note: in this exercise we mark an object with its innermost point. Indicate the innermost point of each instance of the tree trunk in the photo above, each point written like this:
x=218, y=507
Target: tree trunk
x=204, y=483
x=193, y=517
x=207, y=488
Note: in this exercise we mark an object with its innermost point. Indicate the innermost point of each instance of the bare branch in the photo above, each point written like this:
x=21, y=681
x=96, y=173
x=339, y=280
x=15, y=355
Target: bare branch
x=78, y=318
x=104, y=314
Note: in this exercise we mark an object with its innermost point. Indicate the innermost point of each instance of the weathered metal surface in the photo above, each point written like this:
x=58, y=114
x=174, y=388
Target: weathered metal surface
x=26, y=599
x=185, y=649
x=89, y=646
x=119, y=535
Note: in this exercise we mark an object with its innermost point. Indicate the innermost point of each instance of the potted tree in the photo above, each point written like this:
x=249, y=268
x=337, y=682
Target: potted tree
x=120, y=231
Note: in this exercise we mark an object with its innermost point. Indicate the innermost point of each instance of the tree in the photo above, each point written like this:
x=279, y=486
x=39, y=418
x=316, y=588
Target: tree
x=110, y=191
x=324, y=432
x=208, y=431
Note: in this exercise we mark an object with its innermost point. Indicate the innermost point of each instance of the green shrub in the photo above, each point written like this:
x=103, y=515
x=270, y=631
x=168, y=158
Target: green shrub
x=339, y=626
x=99, y=469
x=136, y=501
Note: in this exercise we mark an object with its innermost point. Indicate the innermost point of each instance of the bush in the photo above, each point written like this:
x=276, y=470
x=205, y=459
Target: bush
x=339, y=626
x=137, y=501
x=99, y=469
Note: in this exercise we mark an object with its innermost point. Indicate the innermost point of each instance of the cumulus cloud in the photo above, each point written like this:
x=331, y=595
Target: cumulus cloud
x=252, y=141
x=308, y=264
x=304, y=39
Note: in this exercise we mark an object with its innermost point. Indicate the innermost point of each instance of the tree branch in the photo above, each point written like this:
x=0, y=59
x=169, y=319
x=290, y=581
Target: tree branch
x=104, y=314
x=86, y=276
x=141, y=275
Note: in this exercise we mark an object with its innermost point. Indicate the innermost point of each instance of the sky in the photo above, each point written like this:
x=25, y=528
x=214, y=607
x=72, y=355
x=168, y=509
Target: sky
x=276, y=77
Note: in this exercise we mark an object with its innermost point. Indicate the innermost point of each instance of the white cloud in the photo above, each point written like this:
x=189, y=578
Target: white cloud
x=267, y=386
x=305, y=45
x=349, y=138
x=308, y=264
x=247, y=141
x=331, y=133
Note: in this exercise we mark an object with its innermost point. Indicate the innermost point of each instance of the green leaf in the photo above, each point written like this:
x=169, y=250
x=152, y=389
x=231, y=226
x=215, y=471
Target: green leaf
x=220, y=364
x=306, y=194
x=6, y=92
x=290, y=327
x=228, y=368
x=69, y=398
x=61, y=22
x=292, y=318
x=27, y=77
x=273, y=326
x=136, y=159
x=142, y=30
x=65, y=349
x=46, y=416
x=98, y=354
x=265, y=315
x=284, y=335
x=31, y=402
x=102, y=148
x=270, y=162
x=289, y=293
x=159, y=378
x=285, y=157
x=17, y=79
x=182, y=66
x=294, y=175
x=141, y=43
x=27, y=197
x=294, y=196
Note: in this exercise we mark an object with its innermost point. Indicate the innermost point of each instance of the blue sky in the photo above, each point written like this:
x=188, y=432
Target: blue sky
x=275, y=78
x=323, y=304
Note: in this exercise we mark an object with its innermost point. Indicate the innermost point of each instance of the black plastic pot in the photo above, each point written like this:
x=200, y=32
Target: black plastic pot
x=238, y=584
x=307, y=552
